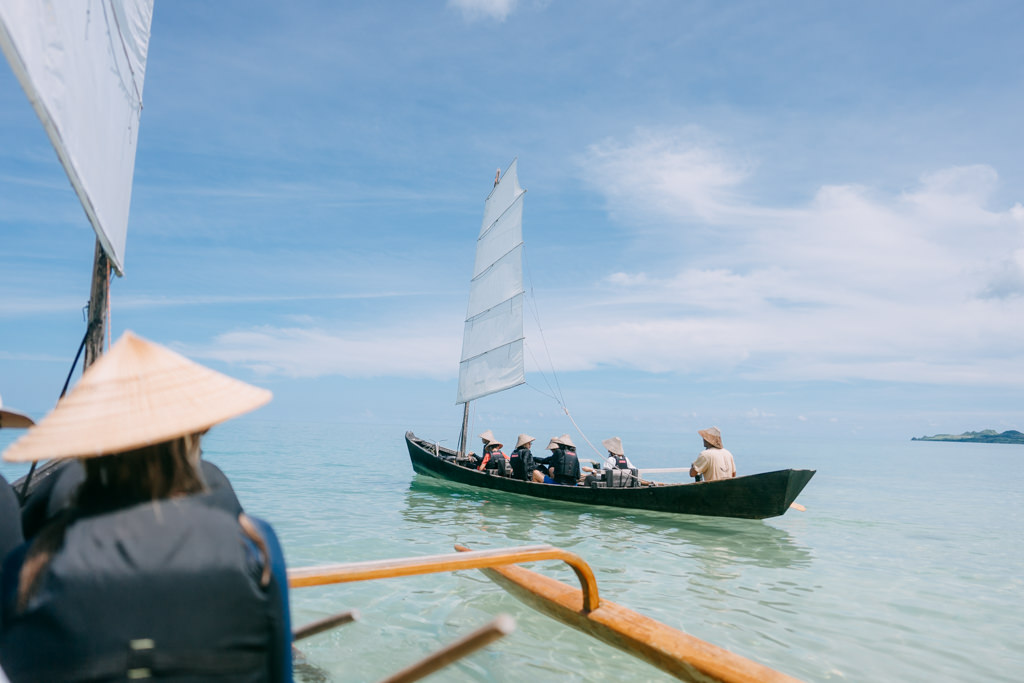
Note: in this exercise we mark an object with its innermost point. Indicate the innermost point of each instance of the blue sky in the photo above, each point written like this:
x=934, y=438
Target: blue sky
x=778, y=218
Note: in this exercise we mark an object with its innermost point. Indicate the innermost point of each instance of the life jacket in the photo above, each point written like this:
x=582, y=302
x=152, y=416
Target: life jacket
x=620, y=462
x=168, y=588
x=522, y=463
x=497, y=460
x=567, y=465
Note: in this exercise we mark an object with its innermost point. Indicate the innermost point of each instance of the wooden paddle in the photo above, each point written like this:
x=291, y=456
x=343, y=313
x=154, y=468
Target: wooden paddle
x=325, y=624
x=501, y=626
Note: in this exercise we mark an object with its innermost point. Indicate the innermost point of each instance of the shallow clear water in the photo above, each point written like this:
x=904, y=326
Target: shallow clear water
x=905, y=566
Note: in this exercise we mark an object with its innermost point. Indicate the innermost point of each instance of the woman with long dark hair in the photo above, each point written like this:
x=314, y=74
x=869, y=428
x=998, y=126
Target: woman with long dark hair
x=147, y=574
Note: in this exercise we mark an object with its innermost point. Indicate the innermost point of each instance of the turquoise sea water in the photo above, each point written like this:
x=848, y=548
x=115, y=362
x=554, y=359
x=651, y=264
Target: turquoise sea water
x=906, y=565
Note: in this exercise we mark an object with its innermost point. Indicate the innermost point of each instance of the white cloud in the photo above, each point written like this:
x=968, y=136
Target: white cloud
x=681, y=173
x=484, y=9
x=918, y=285
x=413, y=351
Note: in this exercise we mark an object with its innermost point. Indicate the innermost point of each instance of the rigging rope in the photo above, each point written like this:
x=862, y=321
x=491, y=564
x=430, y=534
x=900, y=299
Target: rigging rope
x=560, y=398
x=67, y=381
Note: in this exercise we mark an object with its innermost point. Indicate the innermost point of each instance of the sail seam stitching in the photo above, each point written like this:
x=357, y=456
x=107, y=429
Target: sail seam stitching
x=487, y=310
x=484, y=353
x=500, y=216
x=488, y=268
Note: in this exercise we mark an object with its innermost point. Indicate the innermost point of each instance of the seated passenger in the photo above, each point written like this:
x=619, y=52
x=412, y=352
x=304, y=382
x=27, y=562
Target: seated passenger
x=523, y=466
x=565, y=465
x=714, y=462
x=543, y=465
x=495, y=459
x=147, y=574
x=616, y=455
x=486, y=437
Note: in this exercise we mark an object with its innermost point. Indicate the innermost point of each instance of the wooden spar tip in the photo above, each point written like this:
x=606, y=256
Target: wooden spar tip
x=325, y=624
x=500, y=627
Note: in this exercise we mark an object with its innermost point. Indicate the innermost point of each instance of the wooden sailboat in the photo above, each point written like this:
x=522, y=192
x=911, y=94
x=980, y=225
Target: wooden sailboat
x=492, y=361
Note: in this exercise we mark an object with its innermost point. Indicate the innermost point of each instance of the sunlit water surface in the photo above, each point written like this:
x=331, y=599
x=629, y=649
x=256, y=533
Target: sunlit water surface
x=907, y=564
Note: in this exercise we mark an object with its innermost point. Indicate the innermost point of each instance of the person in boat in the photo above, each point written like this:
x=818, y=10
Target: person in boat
x=616, y=455
x=714, y=462
x=495, y=458
x=523, y=466
x=486, y=437
x=11, y=535
x=147, y=574
x=616, y=459
x=563, y=463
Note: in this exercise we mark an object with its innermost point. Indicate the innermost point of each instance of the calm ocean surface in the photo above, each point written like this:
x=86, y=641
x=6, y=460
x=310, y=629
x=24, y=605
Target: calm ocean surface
x=906, y=566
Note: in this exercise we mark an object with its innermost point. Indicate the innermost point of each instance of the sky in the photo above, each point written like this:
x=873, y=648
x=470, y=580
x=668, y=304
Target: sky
x=795, y=218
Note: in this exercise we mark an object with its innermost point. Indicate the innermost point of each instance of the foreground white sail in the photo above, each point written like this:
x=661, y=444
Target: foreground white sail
x=492, y=344
x=82, y=66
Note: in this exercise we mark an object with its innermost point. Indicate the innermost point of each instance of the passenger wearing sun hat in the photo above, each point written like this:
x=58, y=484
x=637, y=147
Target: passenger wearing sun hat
x=616, y=455
x=523, y=466
x=494, y=458
x=564, y=464
x=145, y=556
x=714, y=462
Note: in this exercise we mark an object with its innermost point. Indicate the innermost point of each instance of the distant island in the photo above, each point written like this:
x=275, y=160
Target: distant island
x=984, y=436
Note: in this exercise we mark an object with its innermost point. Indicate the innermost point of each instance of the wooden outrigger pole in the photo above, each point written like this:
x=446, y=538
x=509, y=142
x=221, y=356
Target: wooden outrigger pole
x=684, y=656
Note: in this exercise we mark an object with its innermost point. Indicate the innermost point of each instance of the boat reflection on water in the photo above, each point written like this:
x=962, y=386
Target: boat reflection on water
x=602, y=535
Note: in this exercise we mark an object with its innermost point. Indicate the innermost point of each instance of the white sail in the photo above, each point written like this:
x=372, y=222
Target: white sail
x=82, y=66
x=492, y=344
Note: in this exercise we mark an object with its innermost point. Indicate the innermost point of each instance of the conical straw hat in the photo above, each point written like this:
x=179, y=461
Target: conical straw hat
x=487, y=437
x=12, y=419
x=614, y=445
x=566, y=441
x=137, y=394
x=524, y=439
x=712, y=436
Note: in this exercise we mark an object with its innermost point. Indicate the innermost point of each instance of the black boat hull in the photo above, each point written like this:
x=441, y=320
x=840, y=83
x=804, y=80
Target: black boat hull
x=755, y=496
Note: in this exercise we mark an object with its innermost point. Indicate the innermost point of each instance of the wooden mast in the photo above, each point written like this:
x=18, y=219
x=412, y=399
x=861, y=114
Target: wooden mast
x=463, y=435
x=97, y=316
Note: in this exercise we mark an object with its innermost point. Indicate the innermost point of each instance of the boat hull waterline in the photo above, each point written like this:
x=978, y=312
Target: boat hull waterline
x=754, y=496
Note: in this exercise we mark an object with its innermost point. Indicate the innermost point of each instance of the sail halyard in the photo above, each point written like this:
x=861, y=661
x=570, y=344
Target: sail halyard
x=83, y=72
x=492, y=343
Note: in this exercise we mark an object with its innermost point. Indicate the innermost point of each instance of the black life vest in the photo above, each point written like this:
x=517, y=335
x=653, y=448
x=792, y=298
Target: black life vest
x=170, y=588
x=522, y=463
x=567, y=465
x=621, y=462
x=499, y=462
